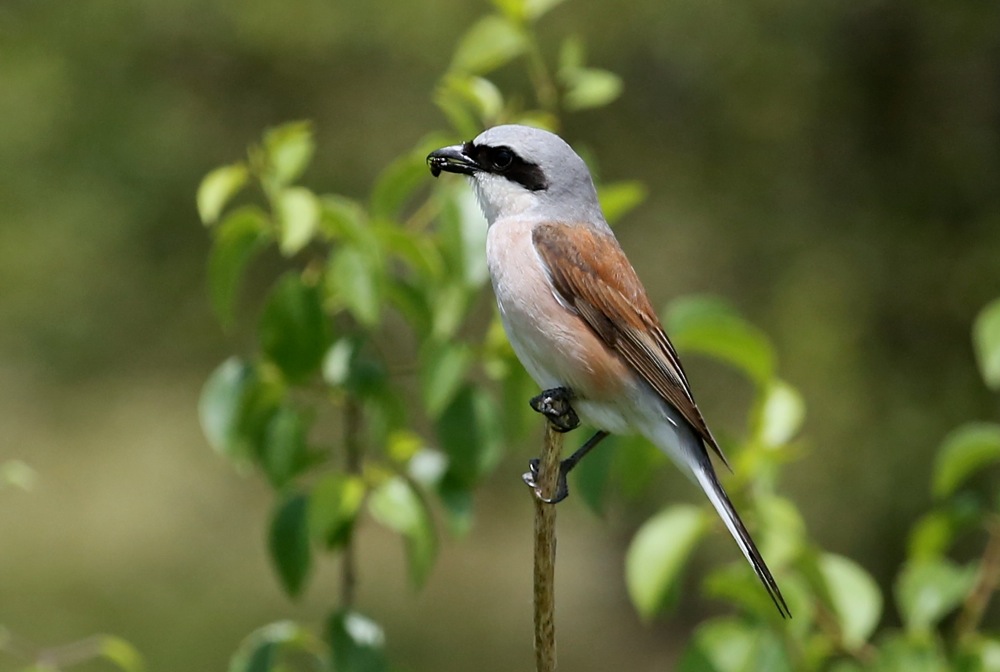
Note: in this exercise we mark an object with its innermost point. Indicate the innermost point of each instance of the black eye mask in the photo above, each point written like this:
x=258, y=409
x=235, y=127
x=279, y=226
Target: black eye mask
x=505, y=161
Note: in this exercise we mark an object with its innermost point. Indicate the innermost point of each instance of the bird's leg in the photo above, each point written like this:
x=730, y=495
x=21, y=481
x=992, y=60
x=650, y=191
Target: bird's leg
x=562, y=487
x=554, y=405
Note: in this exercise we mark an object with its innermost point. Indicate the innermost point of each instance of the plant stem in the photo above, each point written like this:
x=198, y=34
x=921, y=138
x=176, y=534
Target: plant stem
x=352, y=447
x=986, y=584
x=545, y=553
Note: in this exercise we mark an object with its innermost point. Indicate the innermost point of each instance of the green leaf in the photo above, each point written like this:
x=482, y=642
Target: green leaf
x=334, y=505
x=857, y=601
x=782, y=531
x=286, y=453
x=457, y=111
x=512, y=9
x=288, y=149
x=591, y=87
x=412, y=303
x=397, y=183
x=396, y=505
x=709, y=326
x=419, y=251
x=986, y=341
x=526, y=10
x=846, y=666
x=964, y=452
x=781, y=414
x=357, y=642
x=427, y=467
x=236, y=408
x=470, y=103
x=535, y=9
x=288, y=542
x=298, y=217
x=469, y=431
x=473, y=232
x=585, y=87
x=18, y=474
x=571, y=54
x=935, y=532
x=350, y=364
x=260, y=649
x=221, y=404
x=294, y=331
x=490, y=43
x=351, y=279
x=217, y=188
x=237, y=240
x=262, y=659
x=899, y=653
x=122, y=654
x=403, y=445
x=462, y=237
x=736, y=584
x=443, y=367
x=730, y=645
x=928, y=589
x=978, y=654
x=450, y=303
x=658, y=553
x=345, y=219
x=620, y=198
x=385, y=412
x=485, y=96
x=931, y=536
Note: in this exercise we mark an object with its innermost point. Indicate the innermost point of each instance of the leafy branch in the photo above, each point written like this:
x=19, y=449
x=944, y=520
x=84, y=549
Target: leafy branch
x=406, y=266
x=405, y=263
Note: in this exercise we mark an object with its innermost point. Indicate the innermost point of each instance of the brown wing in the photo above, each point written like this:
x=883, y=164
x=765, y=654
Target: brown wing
x=592, y=275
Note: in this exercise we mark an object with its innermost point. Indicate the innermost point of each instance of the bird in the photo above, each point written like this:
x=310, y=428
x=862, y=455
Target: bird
x=577, y=315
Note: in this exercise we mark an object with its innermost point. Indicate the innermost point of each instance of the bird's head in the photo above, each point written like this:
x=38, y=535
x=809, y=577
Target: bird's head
x=523, y=171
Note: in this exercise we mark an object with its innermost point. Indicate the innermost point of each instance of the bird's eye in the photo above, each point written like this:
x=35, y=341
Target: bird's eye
x=501, y=158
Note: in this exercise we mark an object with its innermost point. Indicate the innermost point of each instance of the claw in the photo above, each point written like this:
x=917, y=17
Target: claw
x=530, y=477
x=562, y=487
x=555, y=405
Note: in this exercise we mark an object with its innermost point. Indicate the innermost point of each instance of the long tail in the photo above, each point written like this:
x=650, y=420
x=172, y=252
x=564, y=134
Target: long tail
x=709, y=482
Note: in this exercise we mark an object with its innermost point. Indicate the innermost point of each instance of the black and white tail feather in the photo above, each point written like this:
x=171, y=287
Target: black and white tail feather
x=704, y=473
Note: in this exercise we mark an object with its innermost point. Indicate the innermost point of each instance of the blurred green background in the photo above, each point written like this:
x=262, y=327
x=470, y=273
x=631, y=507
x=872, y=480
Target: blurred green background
x=833, y=169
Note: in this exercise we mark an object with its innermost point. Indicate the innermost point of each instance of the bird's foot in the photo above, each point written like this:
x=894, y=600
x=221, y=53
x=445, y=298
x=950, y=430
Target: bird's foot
x=562, y=487
x=554, y=405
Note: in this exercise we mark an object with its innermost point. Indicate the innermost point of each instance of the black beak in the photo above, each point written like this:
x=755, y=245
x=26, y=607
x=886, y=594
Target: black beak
x=451, y=160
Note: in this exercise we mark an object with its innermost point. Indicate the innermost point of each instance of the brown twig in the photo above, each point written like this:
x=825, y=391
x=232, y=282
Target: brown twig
x=545, y=552
x=986, y=584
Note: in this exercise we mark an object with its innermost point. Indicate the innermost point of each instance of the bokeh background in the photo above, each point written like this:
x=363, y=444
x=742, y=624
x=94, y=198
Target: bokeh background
x=831, y=168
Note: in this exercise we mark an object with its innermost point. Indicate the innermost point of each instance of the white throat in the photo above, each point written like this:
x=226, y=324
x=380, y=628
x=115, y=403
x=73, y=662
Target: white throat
x=498, y=198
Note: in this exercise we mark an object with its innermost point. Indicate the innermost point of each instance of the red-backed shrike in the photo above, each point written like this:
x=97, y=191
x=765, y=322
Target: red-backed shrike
x=576, y=313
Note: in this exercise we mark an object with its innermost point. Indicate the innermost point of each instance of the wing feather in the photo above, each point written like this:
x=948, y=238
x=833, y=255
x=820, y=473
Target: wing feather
x=592, y=275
